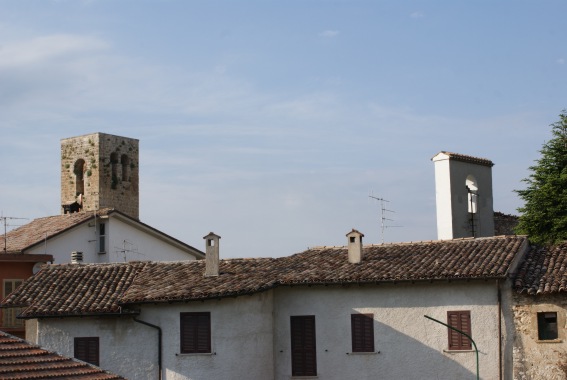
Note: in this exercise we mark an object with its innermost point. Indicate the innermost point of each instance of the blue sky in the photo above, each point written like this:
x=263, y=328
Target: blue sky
x=270, y=122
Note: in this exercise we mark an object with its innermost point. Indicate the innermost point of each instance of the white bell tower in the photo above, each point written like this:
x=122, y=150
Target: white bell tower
x=463, y=193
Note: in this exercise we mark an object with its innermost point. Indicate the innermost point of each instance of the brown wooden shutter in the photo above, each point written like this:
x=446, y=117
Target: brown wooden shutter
x=362, y=327
x=87, y=350
x=303, y=346
x=460, y=320
x=195, y=332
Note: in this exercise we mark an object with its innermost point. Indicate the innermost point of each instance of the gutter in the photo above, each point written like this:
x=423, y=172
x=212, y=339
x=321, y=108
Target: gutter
x=159, y=342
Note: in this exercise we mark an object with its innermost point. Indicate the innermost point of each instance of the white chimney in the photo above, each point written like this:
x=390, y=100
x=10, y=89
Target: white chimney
x=76, y=257
x=211, y=254
x=354, y=246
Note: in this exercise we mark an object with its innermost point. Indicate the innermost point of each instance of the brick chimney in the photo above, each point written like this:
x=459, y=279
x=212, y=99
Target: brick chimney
x=354, y=246
x=211, y=254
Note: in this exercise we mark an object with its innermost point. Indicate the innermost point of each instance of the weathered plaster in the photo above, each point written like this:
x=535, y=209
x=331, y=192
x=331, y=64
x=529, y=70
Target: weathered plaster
x=535, y=359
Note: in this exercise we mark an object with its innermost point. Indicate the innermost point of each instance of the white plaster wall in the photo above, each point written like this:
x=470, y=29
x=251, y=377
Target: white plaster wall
x=84, y=238
x=241, y=339
x=139, y=245
x=81, y=238
x=410, y=346
x=483, y=175
x=443, y=200
x=126, y=347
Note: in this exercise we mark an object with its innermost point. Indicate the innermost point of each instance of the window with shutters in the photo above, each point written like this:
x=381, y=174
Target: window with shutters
x=195, y=333
x=461, y=320
x=87, y=349
x=303, y=347
x=547, y=326
x=362, y=327
x=9, y=315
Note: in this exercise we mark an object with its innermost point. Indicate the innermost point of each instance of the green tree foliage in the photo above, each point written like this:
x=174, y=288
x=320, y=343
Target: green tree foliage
x=544, y=214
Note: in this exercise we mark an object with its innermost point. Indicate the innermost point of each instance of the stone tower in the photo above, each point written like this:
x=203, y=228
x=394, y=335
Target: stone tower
x=463, y=193
x=100, y=170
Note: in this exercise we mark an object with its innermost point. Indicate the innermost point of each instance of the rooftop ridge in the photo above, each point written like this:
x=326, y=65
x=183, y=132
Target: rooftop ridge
x=467, y=158
x=320, y=247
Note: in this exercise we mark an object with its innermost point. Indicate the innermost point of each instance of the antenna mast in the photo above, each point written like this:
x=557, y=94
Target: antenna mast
x=4, y=220
x=383, y=218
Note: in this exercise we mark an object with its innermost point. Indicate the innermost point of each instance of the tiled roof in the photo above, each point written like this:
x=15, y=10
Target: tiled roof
x=96, y=288
x=36, y=231
x=181, y=280
x=22, y=360
x=465, y=158
x=543, y=271
x=74, y=289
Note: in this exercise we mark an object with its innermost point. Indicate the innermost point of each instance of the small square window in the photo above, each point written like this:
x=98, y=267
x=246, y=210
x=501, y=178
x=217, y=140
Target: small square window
x=195, y=333
x=547, y=326
x=87, y=349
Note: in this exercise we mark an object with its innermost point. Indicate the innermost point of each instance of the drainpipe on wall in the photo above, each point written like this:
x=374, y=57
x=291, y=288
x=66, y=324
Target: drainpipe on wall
x=159, y=342
x=499, y=329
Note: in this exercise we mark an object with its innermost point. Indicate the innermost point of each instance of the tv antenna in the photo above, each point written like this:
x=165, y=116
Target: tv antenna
x=127, y=247
x=383, y=218
x=5, y=220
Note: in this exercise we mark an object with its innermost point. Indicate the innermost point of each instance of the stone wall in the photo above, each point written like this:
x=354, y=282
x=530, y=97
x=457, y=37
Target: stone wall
x=504, y=224
x=104, y=169
x=534, y=358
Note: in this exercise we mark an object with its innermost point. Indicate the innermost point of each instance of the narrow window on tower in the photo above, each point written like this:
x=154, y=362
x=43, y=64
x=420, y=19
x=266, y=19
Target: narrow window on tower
x=79, y=170
x=125, y=166
x=114, y=170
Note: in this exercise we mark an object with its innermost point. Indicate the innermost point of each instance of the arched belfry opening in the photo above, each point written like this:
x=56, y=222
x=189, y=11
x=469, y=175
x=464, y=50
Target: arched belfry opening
x=472, y=203
x=472, y=194
x=114, y=163
x=79, y=171
x=125, y=162
x=463, y=193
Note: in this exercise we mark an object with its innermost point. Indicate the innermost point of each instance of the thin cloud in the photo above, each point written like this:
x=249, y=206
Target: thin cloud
x=329, y=33
x=561, y=61
x=417, y=14
x=40, y=49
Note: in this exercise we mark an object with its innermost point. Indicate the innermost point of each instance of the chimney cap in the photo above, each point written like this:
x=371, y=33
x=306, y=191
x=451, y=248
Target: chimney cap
x=355, y=232
x=211, y=234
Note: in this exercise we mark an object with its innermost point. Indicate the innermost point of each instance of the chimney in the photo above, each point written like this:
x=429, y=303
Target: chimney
x=354, y=246
x=211, y=254
x=76, y=257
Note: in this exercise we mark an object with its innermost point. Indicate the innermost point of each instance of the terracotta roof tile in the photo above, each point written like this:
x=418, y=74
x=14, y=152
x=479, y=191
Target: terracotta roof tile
x=543, y=271
x=36, y=231
x=75, y=289
x=67, y=290
x=465, y=158
x=22, y=360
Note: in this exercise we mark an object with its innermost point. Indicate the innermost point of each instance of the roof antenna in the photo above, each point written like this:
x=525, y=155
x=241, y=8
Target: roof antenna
x=383, y=218
x=4, y=220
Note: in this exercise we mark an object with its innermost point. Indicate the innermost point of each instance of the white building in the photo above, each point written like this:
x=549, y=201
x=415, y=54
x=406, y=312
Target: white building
x=100, y=236
x=353, y=312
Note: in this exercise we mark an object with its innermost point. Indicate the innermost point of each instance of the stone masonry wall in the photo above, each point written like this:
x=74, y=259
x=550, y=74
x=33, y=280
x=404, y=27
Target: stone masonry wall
x=110, y=172
x=534, y=358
